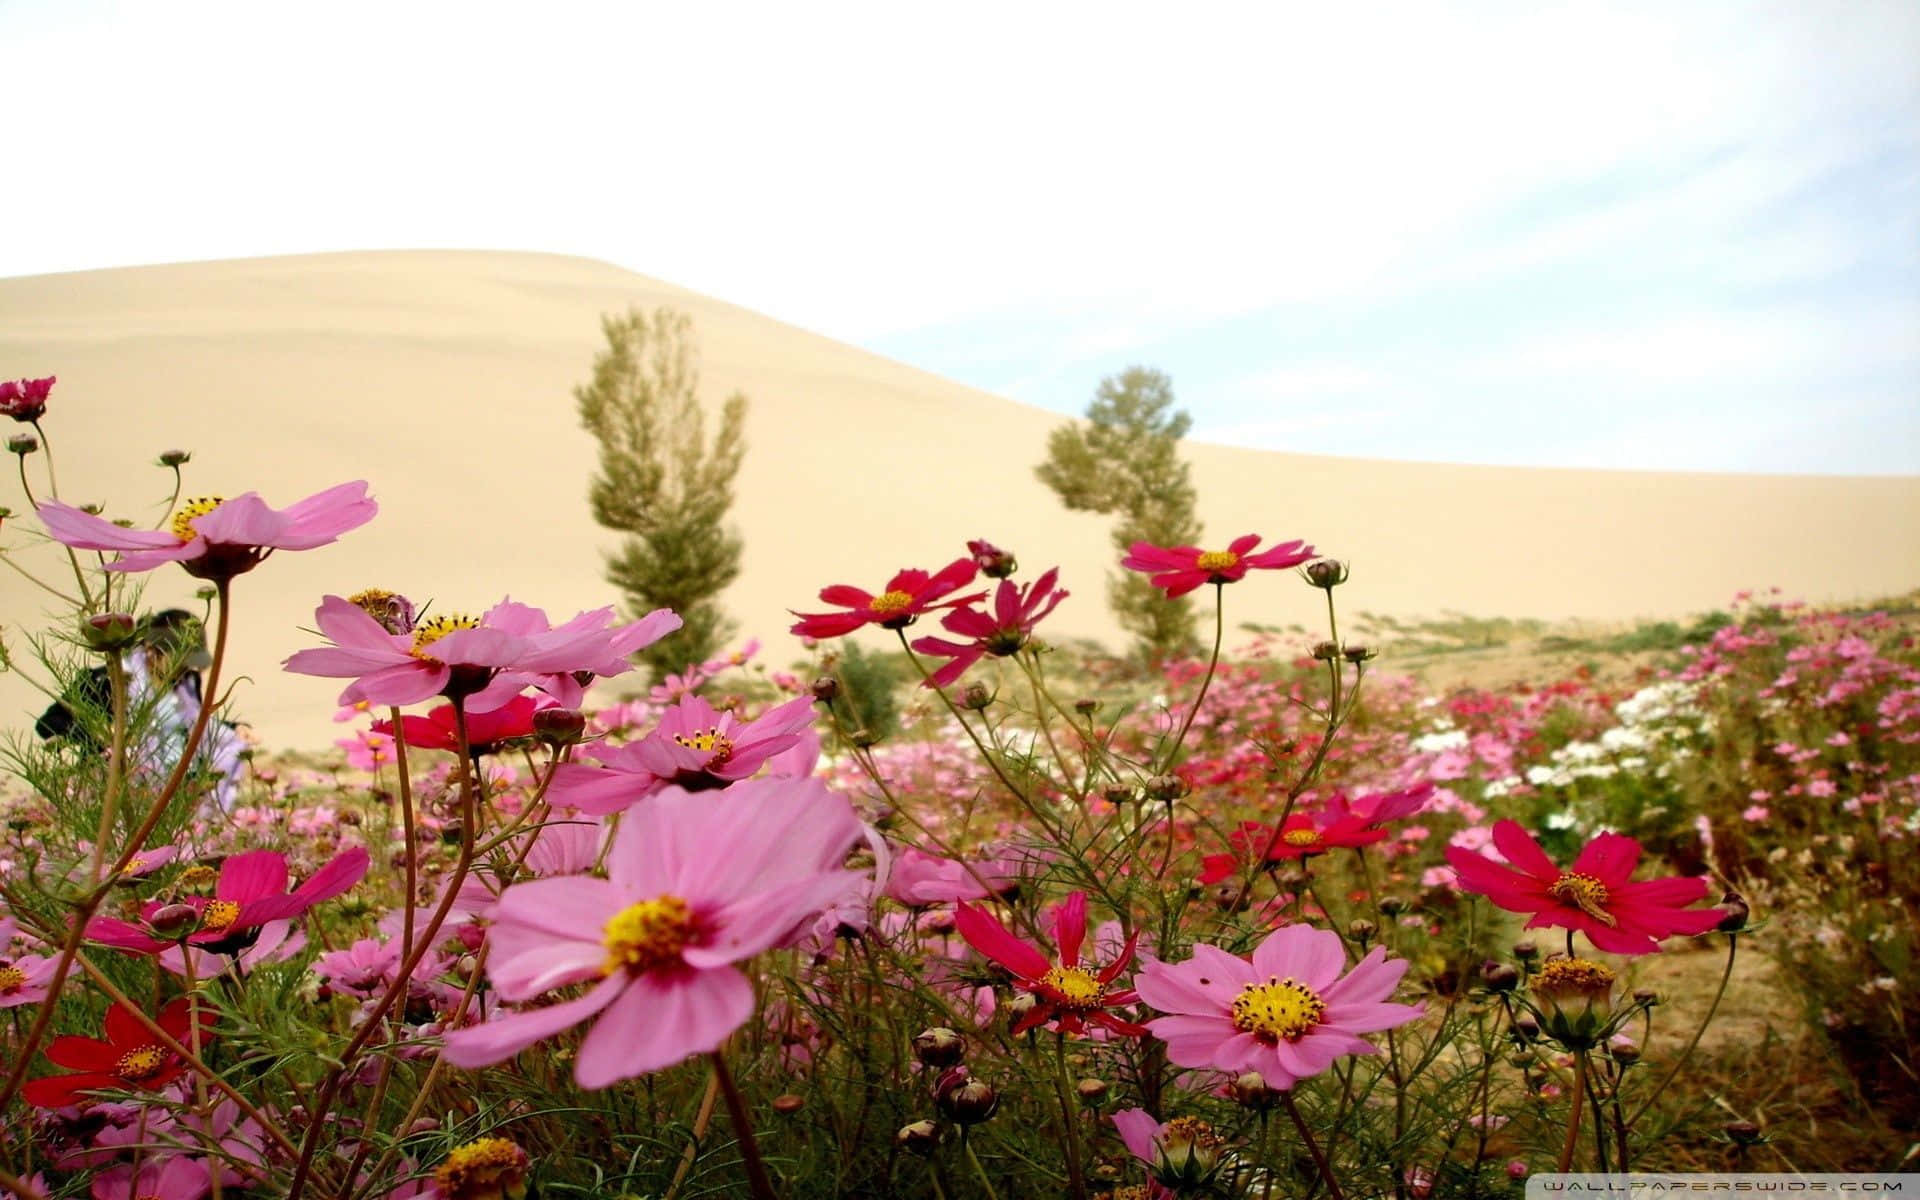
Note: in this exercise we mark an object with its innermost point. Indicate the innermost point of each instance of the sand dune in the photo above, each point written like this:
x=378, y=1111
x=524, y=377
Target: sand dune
x=444, y=379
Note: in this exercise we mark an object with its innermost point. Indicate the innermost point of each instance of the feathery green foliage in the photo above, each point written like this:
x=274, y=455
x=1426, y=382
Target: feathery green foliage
x=661, y=482
x=1125, y=459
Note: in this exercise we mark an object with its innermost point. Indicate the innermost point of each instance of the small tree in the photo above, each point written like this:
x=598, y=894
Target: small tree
x=661, y=482
x=1125, y=459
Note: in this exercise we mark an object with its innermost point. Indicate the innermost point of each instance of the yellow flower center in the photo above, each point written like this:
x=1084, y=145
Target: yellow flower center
x=647, y=935
x=1074, y=988
x=143, y=1063
x=888, y=604
x=199, y=875
x=1585, y=893
x=1217, y=560
x=432, y=630
x=1574, y=977
x=485, y=1168
x=1277, y=1009
x=1301, y=837
x=710, y=741
x=135, y=867
x=182, y=524
x=12, y=978
x=218, y=915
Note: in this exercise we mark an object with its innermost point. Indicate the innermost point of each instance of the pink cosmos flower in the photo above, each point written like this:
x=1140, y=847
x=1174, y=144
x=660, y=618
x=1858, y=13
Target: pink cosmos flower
x=1287, y=1013
x=1177, y=570
x=919, y=879
x=25, y=399
x=452, y=655
x=216, y=538
x=1377, y=808
x=1066, y=993
x=695, y=746
x=276, y=941
x=906, y=596
x=1597, y=896
x=694, y=885
x=589, y=645
x=1016, y=610
x=368, y=750
x=160, y=1177
x=251, y=891
x=24, y=980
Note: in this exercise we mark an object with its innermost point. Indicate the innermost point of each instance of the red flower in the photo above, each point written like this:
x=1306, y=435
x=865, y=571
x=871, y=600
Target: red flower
x=252, y=890
x=1297, y=837
x=25, y=399
x=1597, y=896
x=130, y=1057
x=905, y=597
x=485, y=730
x=1178, y=570
x=1068, y=994
x=1016, y=610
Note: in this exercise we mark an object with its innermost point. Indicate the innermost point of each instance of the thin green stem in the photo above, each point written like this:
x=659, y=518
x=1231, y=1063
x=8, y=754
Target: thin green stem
x=966, y=1148
x=1733, y=942
x=1213, y=663
x=757, y=1178
x=1313, y=1147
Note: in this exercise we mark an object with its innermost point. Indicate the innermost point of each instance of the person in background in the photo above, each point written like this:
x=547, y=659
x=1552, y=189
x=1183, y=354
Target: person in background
x=164, y=681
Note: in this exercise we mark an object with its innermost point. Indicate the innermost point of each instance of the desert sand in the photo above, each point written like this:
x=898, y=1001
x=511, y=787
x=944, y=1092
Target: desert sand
x=444, y=379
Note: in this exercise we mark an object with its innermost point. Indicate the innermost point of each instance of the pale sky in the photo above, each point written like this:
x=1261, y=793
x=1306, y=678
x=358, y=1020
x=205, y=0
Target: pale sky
x=1676, y=234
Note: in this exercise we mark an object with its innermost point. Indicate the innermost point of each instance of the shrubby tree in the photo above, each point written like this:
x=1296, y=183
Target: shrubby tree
x=1125, y=459
x=662, y=482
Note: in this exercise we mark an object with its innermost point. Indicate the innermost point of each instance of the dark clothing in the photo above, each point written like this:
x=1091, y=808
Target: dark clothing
x=92, y=692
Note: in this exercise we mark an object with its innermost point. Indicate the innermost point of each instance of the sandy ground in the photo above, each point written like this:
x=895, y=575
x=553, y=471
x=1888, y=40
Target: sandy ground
x=445, y=379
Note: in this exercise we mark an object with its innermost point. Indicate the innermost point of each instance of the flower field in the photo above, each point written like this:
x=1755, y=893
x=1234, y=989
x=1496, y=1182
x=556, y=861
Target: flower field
x=1274, y=920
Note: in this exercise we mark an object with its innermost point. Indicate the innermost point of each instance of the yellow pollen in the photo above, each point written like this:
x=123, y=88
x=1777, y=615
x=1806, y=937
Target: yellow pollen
x=483, y=1168
x=135, y=867
x=143, y=1063
x=1585, y=893
x=12, y=978
x=1074, y=988
x=1301, y=837
x=711, y=741
x=1277, y=1009
x=1217, y=560
x=433, y=629
x=890, y=604
x=647, y=935
x=182, y=524
x=1579, y=976
x=218, y=915
x=199, y=875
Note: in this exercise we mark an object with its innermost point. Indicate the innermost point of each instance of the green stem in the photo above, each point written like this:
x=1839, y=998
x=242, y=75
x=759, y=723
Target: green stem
x=1213, y=663
x=966, y=1147
x=742, y=1130
x=1573, y=1118
x=1733, y=942
x=1313, y=1147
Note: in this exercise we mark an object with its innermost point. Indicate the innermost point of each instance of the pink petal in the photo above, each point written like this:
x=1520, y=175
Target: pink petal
x=1519, y=848
x=1137, y=1129
x=244, y=520
x=1312, y=956
x=84, y=531
x=986, y=934
x=661, y=1019
x=573, y=908
x=499, y=1040
x=1610, y=858
x=254, y=875
x=1373, y=978
x=525, y=963
x=1070, y=927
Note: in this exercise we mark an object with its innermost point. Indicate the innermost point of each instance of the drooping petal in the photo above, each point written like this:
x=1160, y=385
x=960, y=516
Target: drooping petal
x=984, y=932
x=1138, y=1130
x=498, y=1040
x=663, y=1018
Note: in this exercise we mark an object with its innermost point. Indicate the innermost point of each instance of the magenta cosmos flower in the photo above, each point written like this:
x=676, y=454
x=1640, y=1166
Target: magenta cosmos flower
x=905, y=597
x=1287, y=1013
x=1596, y=896
x=564, y=658
x=1065, y=993
x=1016, y=610
x=695, y=746
x=160, y=1177
x=251, y=891
x=216, y=538
x=25, y=399
x=1177, y=570
x=694, y=885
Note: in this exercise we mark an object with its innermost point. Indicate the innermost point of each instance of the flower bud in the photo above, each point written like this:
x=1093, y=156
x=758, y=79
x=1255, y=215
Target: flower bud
x=964, y=1099
x=787, y=1104
x=1525, y=1027
x=939, y=1047
x=1117, y=794
x=174, y=458
x=1361, y=930
x=1167, y=788
x=23, y=444
x=1526, y=950
x=1623, y=1050
x=1499, y=976
x=1187, y=1155
x=559, y=726
x=920, y=1137
x=1574, y=998
x=1251, y=1090
x=1743, y=1133
x=108, y=631
x=1018, y=1006
x=863, y=739
x=1646, y=997
x=1392, y=906
x=1092, y=1092
x=824, y=690
x=1359, y=654
x=173, y=921
x=975, y=696
x=1734, y=905
x=1326, y=573
x=1326, y=651
x=1086, y=706
x=993, y=562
